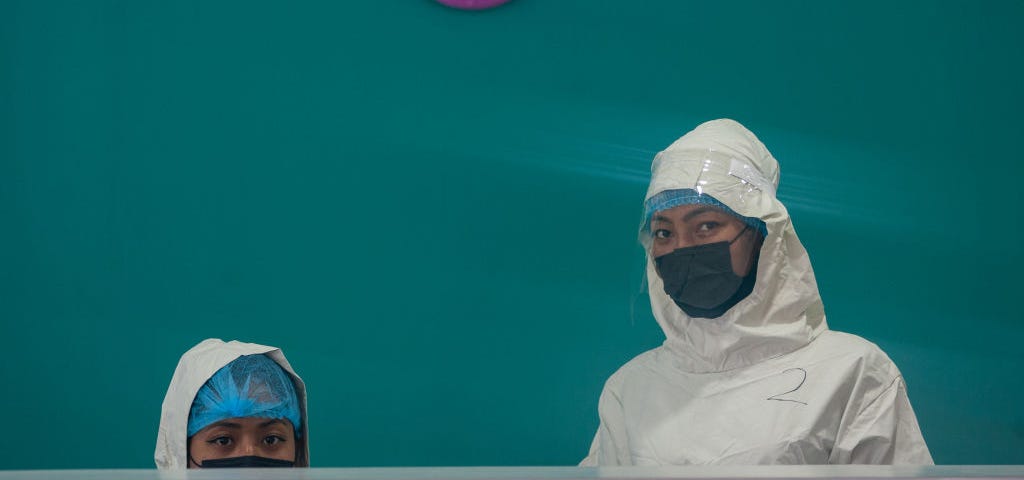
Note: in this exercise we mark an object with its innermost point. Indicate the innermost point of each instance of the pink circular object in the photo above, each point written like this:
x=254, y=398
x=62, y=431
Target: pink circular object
x=472, y=4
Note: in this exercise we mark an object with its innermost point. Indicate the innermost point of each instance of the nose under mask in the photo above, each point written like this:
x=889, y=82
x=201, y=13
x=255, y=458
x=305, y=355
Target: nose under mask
x=700, y=279
x=248, y=461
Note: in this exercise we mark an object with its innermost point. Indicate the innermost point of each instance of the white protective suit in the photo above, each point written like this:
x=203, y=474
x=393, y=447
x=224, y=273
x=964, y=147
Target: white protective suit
x=196, y=367
x=767, y=382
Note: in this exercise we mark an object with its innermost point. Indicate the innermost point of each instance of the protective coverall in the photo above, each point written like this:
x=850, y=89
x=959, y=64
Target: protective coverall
x=767, y=382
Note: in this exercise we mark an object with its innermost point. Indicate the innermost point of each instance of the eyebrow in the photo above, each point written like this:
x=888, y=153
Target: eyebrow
x=698, y=211
x=271, y=422
x=234, y=425
x=689, y=215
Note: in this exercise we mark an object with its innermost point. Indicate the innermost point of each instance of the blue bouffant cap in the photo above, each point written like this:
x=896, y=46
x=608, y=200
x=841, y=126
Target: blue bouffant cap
x=250, y=386
x=686, y=196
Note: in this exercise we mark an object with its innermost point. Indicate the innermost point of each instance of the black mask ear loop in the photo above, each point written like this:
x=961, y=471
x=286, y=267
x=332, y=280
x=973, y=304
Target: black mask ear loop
x=755, y=253
x=737, y=237
x=188, y=454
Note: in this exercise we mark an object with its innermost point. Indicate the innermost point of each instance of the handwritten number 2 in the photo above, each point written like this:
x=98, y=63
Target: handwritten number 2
x=803, y=378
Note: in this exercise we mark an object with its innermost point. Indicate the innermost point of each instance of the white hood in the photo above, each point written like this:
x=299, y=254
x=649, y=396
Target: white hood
x=196, y=367
x=767, y=382
x=784, y=312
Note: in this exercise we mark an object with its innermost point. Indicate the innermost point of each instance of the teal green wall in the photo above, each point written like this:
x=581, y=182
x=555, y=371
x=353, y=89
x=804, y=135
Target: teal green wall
x=433, y=212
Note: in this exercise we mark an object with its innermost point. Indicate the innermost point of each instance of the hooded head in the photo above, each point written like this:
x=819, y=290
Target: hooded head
x=723, y=164
x=216, y=381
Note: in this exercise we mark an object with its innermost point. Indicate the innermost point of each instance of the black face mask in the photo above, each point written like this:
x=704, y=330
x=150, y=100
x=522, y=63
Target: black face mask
x=700, y=279
x=248, y=461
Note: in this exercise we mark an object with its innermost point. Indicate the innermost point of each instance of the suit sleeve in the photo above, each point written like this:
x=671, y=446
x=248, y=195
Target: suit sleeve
x=885, y=432
x=610, y=445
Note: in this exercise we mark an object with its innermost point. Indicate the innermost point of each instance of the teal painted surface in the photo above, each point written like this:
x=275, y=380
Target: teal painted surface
x=433, y=212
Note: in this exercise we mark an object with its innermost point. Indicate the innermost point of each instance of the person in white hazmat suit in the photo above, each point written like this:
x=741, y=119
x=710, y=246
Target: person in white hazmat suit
x=749, y=372
x=233, y=404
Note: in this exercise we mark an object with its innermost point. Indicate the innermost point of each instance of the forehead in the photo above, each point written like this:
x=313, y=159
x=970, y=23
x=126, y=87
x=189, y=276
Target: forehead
x=247, y=423
x=684, y=213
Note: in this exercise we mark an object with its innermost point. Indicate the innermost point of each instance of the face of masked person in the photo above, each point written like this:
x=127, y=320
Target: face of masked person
x=244, y=442
x=705, y=257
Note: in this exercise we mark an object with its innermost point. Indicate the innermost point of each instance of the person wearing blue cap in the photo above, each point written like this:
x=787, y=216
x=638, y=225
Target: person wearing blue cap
x=749, y=373
x=233, y=404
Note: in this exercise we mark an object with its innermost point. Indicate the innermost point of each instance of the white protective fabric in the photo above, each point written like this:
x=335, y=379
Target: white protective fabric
x=767, y=382
x=196, y=367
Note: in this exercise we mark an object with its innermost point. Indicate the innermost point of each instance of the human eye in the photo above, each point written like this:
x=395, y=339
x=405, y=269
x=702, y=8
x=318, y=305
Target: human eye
x=273, y=439
x=707, y=228
x=661, y=233
x=221, y=441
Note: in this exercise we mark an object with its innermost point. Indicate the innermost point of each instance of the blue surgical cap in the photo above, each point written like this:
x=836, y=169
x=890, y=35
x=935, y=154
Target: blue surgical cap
x=686, y=196
x=250, y=386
